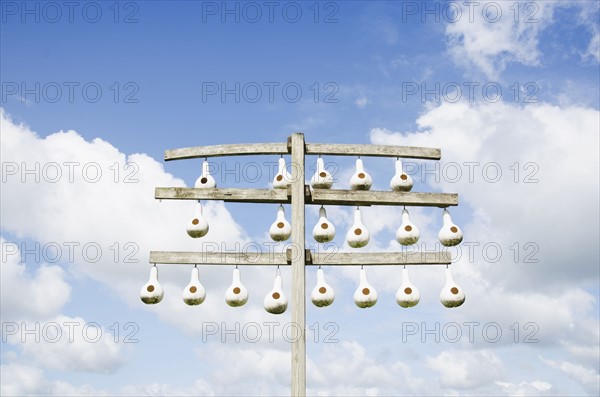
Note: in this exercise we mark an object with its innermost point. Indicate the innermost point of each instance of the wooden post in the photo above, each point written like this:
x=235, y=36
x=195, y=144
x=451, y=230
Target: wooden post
x=298, y=268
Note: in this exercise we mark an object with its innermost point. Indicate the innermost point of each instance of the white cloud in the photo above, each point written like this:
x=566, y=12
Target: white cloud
x=26, y=294
x=489, y=43
x=362, y=102
x=466, y=369
x=588, y=378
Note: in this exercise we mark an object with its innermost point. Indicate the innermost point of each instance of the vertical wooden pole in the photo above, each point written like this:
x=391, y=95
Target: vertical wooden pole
x=298, y=268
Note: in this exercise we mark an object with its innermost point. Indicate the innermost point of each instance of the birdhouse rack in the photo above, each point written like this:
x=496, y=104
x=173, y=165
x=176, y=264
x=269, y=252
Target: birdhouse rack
x=299, y=195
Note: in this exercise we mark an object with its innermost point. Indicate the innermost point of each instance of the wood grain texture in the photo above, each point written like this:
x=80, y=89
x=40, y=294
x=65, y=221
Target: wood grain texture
x=410, y=152
x=312, y=259
x=234, y=195
x=298, y=294
x=371, y=197
x=226, y=150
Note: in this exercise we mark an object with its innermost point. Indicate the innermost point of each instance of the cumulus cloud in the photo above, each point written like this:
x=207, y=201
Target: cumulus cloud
x=30, y=294
x=494, y=34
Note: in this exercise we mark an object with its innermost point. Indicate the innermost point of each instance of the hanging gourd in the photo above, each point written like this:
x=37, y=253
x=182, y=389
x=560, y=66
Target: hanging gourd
x=358, y=235
x=401, y=181
x=365, y=295
x=452, y=295
x=282, y=179
x=408, y=295
x=237, y=294
x=152, y=292
x=205, y=180
x=361, y=180
x=197, y=226
x=450, y=234
x=322, y=178
x=281, y=229
x=275, y=301
x=324, y=231
x=194, y=293
x=322, y=295
x=408, y=232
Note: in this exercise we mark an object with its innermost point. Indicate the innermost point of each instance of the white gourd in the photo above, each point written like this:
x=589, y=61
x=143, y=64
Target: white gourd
x=450, y=234
x=401, y=181
x=324, y=231
x=452, y=295
x=282, y=179
x=275, y=301
x=408, y=232
x=361, y=180
x=205, y=180
x=281, y=229
x=365, y=295
x=358, y=236
x=194, y=293
x=237, y=294
x=408, y=295
x=322, y=178
x=197, y=226
x=152, y=292
x=322, y=295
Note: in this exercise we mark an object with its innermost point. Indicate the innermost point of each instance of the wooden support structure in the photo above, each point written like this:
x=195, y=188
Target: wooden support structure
x=299, y=195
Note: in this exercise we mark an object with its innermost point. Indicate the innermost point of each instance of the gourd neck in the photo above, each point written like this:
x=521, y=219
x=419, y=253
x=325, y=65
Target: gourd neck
x=281, y=165
x=277, y=283
x=363, y=277
x=195, y=276
x=280, y=213
x=236, y=276
x=322, y=213
x=405, y=277
x=405, y=216
x=399, y=167
x=320, y=277
x=359, y=166
x=449, y=278
x=320, y=165
x=357, y=217
x=205, y=169
x=154, y=273
x=446, y=218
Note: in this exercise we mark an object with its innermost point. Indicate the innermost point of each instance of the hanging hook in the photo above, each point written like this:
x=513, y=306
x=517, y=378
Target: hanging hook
x=446, y=266
x=319, y=266
x=154, y=264
x=281, y=156
x=404, y=266
x=196, y=265
x=205, y=158
x=404, y=207
x=236, y=266
x=361, y=266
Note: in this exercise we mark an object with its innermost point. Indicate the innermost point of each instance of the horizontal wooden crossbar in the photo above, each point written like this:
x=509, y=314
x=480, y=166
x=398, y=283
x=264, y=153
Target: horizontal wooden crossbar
x=228, y=194
x=316, y=196
x=331, y=149
x=411, y=152
x=312, y=259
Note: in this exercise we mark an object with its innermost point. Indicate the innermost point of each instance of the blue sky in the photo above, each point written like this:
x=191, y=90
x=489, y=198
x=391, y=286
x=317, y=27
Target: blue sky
x=361, y=68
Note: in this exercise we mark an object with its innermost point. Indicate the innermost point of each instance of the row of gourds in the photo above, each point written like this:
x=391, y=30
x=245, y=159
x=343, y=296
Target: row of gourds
x=324, y=231
x=275, y=302
x=322, y=179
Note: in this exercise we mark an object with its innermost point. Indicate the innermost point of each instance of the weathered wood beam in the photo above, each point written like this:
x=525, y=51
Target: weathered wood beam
x=370, y=197
x=226, y=150
x=336, y=149
x=312, y=259
x=234, y=195
x=384, y=258
x=219, y=258
x=316, y=197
